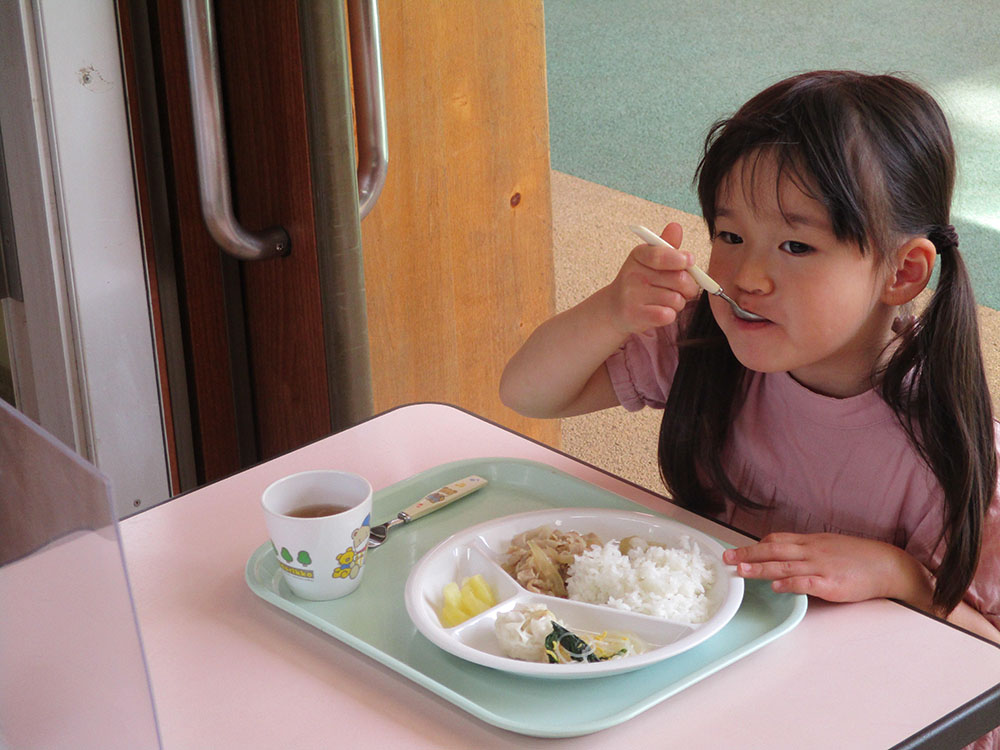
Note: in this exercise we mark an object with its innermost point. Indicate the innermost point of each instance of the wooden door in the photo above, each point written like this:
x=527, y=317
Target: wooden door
x=457, y=252
x=251, y=332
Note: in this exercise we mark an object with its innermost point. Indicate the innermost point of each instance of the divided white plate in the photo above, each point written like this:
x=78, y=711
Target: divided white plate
x=481, y=548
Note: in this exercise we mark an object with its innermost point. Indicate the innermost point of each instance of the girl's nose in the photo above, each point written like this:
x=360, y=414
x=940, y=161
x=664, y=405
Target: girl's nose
x=752, y=275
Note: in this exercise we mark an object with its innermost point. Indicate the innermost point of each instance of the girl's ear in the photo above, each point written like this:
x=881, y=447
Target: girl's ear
x=911, y=272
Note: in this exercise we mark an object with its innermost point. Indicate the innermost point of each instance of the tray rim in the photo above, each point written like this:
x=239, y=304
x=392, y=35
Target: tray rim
x=264, y=591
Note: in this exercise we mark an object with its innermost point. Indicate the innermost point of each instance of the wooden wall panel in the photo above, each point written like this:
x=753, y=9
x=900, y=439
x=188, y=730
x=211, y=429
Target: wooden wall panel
x=458, y=250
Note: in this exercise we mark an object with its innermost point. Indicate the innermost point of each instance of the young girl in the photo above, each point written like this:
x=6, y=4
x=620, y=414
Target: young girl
x=856, y=439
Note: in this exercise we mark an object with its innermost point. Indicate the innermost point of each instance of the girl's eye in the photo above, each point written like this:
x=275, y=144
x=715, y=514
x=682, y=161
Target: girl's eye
x=795, y=248
x=730, y=238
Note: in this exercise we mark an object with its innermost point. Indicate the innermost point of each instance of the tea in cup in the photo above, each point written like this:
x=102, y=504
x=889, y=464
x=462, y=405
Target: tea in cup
x=319, y=524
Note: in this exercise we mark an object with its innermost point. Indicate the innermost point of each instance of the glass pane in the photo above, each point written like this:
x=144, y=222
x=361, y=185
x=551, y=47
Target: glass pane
x=72, y=670
x=6, y=378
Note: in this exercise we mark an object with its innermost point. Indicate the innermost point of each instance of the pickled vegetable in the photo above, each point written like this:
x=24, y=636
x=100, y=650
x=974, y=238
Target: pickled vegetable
x=461, y=603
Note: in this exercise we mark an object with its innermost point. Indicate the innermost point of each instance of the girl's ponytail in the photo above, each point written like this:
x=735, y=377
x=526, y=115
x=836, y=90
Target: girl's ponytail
x=936, y=384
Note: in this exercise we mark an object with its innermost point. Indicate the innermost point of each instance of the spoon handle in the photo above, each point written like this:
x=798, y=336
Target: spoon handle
x=442, y=497
x=705, y=281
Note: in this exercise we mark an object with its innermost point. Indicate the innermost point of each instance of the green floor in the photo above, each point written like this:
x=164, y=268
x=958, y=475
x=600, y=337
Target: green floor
x=635, y=84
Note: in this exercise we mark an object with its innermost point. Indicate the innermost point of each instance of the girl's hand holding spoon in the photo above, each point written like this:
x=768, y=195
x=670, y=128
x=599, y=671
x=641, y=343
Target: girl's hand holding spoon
x=653, y=285
x=705, y=281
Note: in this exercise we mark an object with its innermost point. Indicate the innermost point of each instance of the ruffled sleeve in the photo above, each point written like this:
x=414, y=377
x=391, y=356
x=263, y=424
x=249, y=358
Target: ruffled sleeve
x=643, y=368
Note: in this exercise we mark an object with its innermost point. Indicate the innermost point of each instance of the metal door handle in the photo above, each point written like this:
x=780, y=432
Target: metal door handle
x=369, y=101
x=210, y=144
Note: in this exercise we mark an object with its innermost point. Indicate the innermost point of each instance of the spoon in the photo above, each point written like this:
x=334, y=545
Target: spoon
x=427, y=504
x=705, y=281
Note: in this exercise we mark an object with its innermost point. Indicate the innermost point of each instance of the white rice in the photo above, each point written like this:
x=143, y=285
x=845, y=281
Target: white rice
x=672, y=583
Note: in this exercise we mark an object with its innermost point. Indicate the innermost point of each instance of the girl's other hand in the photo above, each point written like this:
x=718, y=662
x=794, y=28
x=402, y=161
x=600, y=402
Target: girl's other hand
x=842, y=568
x=652, y=286
x=835, y=567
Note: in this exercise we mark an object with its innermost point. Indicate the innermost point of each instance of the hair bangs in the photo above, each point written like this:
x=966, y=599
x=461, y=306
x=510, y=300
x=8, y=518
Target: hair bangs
x=812, y=134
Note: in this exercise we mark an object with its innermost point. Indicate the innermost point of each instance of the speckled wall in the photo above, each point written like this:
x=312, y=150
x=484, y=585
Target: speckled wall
x=634, y=86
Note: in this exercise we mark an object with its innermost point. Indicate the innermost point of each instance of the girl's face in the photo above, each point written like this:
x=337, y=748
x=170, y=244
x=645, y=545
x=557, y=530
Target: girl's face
x=775, y=253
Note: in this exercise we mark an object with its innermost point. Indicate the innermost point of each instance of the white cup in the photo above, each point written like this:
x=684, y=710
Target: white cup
x=321, y=556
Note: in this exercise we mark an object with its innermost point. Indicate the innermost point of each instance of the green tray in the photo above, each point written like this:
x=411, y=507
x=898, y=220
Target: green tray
x=373, y=619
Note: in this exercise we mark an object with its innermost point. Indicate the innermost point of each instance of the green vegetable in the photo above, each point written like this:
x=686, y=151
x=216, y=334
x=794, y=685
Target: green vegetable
x=562, y=647
x=565, y=647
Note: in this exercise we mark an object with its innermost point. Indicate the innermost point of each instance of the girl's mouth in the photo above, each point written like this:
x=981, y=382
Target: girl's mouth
x=751, y=325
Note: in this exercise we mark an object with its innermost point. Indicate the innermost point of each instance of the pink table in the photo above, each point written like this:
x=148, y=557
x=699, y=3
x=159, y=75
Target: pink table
x=230, y=670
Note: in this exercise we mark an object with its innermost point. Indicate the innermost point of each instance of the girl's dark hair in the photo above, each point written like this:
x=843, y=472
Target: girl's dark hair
x=876, y=151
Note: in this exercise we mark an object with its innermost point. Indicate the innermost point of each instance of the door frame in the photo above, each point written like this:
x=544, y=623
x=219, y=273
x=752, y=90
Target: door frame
x=84, y=358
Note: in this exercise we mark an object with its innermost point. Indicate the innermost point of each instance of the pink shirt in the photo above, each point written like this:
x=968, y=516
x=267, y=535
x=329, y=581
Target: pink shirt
x=826, y=464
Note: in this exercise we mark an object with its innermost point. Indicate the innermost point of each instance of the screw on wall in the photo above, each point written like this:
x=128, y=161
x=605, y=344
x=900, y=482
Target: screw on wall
x=91, y=78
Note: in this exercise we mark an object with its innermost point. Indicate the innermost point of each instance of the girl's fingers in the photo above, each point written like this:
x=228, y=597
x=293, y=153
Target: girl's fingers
x=680, y=282
x=786, y=537
x=813, y=585
x=673, y=233
x=775, y=570
x=652, y=287
x=653, y=304
x=654, y=294
x=835, y=567
x=654, y=316
x=662, y=258
x=764, y=551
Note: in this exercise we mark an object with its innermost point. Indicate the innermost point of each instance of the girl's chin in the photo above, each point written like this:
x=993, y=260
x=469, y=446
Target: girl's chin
x=757, y=364
x=753, y=358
